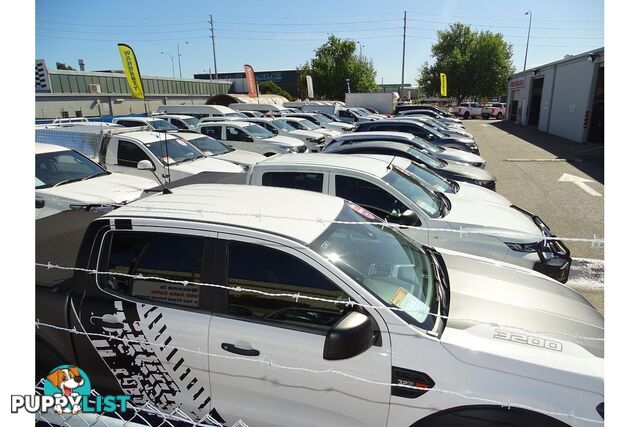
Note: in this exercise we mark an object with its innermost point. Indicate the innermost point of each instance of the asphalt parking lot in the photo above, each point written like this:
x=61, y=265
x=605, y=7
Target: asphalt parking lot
x=559, y=180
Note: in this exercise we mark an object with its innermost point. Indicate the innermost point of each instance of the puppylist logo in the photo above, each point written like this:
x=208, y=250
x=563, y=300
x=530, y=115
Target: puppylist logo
x=67, y=390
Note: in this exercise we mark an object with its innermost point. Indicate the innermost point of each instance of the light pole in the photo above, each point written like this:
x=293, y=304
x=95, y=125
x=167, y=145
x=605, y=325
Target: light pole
x=179, y=64
x=526, y=51
x=173, y=70
x=361, y=46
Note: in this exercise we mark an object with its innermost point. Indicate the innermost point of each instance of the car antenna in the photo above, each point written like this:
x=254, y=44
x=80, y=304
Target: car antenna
x=389, y=167
x=166, y=152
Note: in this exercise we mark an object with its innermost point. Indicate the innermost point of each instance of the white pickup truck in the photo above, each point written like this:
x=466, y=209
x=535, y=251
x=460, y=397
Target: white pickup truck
x=65, y=179
x=497, y=111
x=394, y=193
x=468, y=110
x=137, y=151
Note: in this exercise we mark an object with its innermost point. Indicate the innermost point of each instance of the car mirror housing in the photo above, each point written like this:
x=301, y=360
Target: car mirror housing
x=351, y=335
x=145, y=165
x=408, y=217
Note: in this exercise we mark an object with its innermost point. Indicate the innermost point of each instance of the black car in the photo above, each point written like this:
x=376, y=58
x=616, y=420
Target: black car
x=454, y=171
x=408, y=107
x=419, y=129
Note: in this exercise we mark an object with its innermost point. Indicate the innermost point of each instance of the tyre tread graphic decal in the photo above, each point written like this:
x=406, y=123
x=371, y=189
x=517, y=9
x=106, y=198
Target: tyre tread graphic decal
x=139, y=367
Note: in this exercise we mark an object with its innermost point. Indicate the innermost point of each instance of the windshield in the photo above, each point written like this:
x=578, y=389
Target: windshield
x=321, y=118
x=191, y=121
x=64, y=166
x=172, y=151
x=331, y=116
x=281, y=124
x=385, y=262
x=309, y=125
x=358, y=112
x=433, y=179
x=258, y=131
x=161, y=124
x=210, y=146
x=416, y=191
x=426, y=158
x=429, y=146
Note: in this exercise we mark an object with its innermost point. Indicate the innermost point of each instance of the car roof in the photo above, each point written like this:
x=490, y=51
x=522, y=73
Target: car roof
x=42, y=148
x=368, y=165
x=146, y=136
x=142, y=119
x=295, y=119
x=392, y=121
x=373, y=133
x=373, y=144
x=173, y=116
x=239, y=123
x=265, y=209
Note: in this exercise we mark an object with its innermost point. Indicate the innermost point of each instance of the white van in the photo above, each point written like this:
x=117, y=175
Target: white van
x=200, y=111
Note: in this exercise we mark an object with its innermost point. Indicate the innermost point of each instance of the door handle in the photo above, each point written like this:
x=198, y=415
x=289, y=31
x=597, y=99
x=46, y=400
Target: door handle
x=108, y=321
x=237, y=350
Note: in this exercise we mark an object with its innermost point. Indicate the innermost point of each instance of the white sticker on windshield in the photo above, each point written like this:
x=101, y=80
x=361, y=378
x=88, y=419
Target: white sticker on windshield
x=412, y=305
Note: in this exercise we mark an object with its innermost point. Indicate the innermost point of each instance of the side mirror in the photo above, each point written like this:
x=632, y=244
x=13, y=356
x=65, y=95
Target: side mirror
x=39, y=203
x=350, y=336
x=409, y=217
x=145, y=165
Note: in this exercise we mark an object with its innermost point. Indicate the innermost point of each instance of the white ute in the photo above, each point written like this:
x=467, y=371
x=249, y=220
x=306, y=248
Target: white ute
x=278, y=126
x=368, y=327
x=136, y=151
x=452, y=221
x=65, y=179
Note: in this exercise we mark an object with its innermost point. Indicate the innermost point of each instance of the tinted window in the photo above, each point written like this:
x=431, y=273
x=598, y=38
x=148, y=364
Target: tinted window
x=168, y=256
x=235, y=134
x=298, y=180
x=369, y=196
x=129, y=154
x=56, y=168
x=270, y=270
x=130, y=123
x=178, y=123
x=212, y=131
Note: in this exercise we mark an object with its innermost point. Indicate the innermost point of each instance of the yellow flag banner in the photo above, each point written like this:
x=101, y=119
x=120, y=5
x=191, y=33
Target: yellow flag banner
x=443, y=84
x=131, y=70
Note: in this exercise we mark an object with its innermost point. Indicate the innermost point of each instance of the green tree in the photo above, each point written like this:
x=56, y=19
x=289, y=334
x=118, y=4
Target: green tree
x=274, y=89
x=335, y=62
x=477, y=64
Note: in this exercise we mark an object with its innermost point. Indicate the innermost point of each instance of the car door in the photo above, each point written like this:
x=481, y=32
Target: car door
x=385, y=202
x=128, y=154
x=158, y=329
x=238, y=138
x=295, y=389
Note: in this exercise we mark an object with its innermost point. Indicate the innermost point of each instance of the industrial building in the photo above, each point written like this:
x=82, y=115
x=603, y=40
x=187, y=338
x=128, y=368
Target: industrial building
x=563, y=98
x=71, y=93
x=286, y=79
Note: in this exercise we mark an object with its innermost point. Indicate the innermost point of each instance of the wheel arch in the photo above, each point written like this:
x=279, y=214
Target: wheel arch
x=488, y=415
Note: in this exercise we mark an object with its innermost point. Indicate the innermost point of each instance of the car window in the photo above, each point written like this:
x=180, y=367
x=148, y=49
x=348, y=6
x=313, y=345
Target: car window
x=370, y=196
x=58, y=167
x=235, y=134
x=130, y=123
x=266, y=269
x=298, y=180
x=164, y=256
x=178, y=123
x=129, y=154
x=212, y=131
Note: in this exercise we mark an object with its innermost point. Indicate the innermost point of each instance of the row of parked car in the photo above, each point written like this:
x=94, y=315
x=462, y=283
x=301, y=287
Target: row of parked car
x=408, y=219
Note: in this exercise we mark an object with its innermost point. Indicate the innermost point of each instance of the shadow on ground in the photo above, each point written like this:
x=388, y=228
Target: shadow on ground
x=588, y=157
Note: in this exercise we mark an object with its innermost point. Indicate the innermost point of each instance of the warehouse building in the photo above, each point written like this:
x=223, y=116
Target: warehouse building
x=563, y=98
x=71, y=93
x=286, y=79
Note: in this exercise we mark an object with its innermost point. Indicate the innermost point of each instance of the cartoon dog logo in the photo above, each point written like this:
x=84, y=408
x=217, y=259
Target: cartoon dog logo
x=66, y=379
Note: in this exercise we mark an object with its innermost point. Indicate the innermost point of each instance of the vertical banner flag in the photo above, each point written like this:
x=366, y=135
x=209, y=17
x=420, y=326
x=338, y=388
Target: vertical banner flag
x=252, y=85
x=131, y=70
x=443, y=84
x=309, y=87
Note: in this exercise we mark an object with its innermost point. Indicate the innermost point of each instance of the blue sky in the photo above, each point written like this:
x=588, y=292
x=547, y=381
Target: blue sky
x=283, y=34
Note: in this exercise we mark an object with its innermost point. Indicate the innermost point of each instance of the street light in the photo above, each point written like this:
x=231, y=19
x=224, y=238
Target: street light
x=528, y=33
x=179, y=64
x=361, y=46
x=173, y=70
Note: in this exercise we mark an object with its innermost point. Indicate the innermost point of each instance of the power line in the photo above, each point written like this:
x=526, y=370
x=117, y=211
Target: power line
x=506, y=26
x=519, y=36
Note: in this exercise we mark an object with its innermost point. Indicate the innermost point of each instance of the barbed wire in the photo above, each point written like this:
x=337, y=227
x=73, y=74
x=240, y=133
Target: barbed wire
x=329, y=371
x=297, y=296
x=462, y=232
